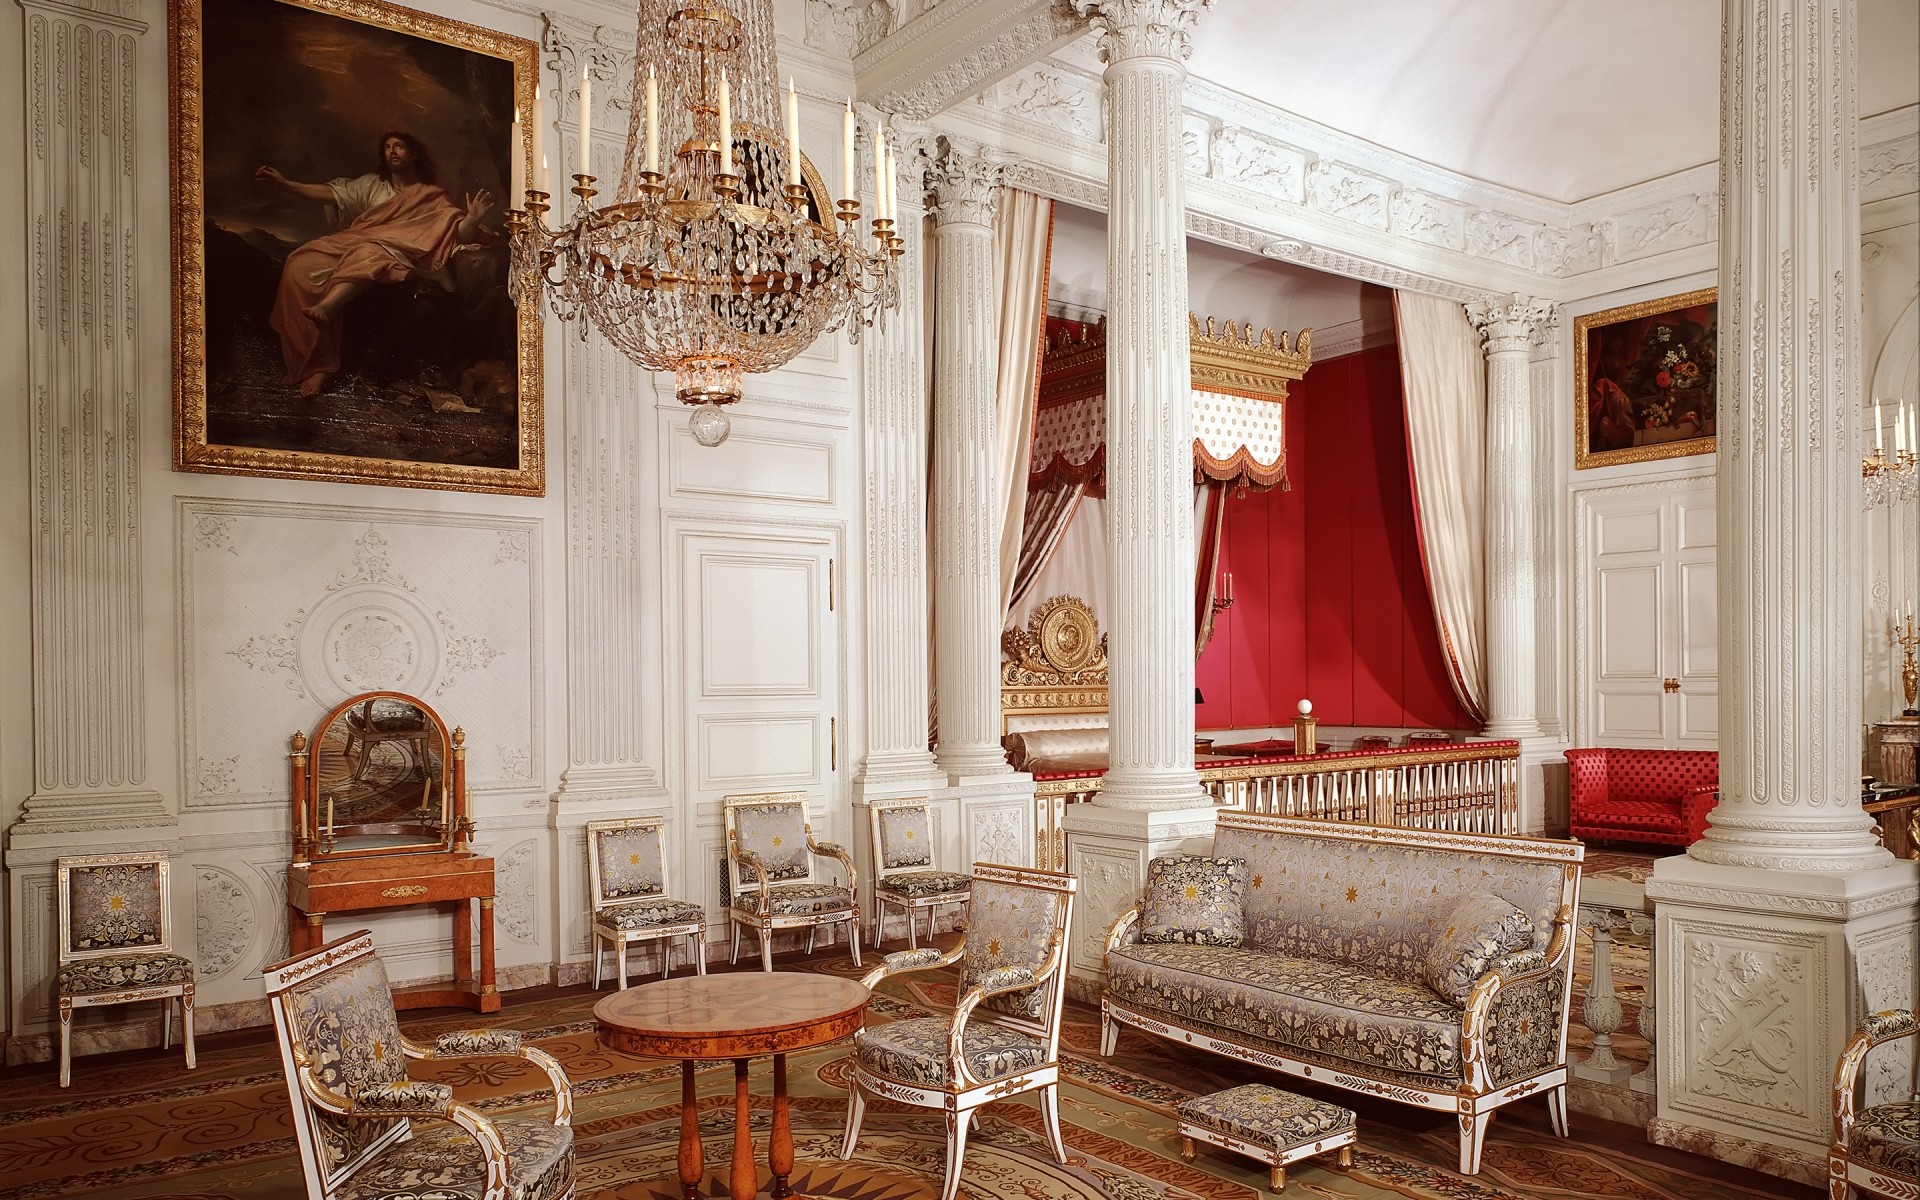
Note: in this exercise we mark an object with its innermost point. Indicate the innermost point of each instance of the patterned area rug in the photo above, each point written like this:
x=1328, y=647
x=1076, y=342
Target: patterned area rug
x=138, y=1127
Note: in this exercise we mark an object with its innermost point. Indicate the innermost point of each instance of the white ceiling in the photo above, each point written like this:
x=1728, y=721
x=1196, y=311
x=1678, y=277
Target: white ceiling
x=1562, y=99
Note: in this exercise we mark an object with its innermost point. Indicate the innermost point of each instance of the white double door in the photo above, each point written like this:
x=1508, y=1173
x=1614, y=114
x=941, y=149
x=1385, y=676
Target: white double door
x=1650, y=670
x=758, y=663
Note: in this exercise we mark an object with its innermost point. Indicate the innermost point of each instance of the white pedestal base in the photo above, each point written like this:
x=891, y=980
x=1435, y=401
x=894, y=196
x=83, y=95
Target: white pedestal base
x=1759, y=978
x=1109, y=848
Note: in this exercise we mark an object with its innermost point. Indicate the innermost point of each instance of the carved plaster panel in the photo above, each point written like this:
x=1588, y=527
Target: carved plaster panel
x=1890, y=168
x=1111, y=880
x=345, y=600
x=517, y=891
x=956, y=48
x=223, y=921
x=1668, y=225
x=1753, y=1032
x=1883, y=965
x=1341, y=191
x=1428, y=218
x=999, y=831
x=1064, y=102
x=1246, y=158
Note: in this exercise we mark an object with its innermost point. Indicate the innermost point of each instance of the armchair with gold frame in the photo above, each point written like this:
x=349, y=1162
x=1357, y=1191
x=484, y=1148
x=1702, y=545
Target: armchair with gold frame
x=1876, y=1148
x=1003, y=1037
x=771, y=876
x=355, y=1107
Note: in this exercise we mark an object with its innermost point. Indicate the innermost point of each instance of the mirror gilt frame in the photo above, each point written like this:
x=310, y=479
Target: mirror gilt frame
x=394, y=755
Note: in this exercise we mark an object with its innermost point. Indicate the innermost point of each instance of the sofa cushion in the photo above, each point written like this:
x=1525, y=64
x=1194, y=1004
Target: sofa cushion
x=1371, y=905
x=1480, y=929
x=1663, y=815
x=1329, y=1010
x=1194, y=899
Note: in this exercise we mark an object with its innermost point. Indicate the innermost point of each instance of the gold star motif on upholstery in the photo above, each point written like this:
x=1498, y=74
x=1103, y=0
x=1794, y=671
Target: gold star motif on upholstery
x=1352, y=894
x=778, y=842
x=1259, y=880
x=993, y=947
x=633, y=860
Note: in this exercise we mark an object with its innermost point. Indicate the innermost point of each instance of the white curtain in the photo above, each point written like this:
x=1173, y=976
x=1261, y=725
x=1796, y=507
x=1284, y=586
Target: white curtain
x=1022, y=246
x=1444, y=377
x=1078, y=566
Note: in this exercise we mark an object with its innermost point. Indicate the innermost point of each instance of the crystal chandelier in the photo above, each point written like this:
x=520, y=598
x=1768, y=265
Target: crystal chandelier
x=1892, y=479
x=732, y=259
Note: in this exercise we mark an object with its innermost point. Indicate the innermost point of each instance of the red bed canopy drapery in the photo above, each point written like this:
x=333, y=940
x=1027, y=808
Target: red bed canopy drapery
x=1239, y=405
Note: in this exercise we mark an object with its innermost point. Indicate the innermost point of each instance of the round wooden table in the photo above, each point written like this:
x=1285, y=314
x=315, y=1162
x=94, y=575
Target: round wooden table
x=738, y=1015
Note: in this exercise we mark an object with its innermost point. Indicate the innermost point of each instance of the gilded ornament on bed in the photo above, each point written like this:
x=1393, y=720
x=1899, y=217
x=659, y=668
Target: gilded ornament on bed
x=1061, y=647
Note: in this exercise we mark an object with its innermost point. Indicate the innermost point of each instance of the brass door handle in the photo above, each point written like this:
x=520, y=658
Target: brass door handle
x=1669, y=685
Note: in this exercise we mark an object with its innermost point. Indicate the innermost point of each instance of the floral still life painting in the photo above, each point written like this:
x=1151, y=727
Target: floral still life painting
x=342, y=171
x=1645, y=377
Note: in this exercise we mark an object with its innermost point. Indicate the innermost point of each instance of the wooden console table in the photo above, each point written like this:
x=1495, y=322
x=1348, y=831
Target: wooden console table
x=317, y=889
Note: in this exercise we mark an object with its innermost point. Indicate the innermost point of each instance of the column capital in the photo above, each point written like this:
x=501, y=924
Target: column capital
x=1143, y=28
x=964, y=177
x=1512, y=323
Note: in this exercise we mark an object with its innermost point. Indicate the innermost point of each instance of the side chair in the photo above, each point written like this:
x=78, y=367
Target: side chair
x=116, y=943
x=770, y=872
x=1003, y=1037
x=904, y=875
x=627, y=878
x=355, y=1108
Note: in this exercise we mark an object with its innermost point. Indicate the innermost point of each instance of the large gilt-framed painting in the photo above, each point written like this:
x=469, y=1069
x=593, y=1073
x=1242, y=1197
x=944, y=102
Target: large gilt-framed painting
x=1646, y=380
x=341, y=311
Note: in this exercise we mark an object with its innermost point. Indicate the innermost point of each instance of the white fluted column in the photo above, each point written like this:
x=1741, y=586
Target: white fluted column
x=895, y=369
x=966, y=537
x=90, y=331
x=1145, y=44
x=1787, y=919
x=1789, y=470
x=1508, y=327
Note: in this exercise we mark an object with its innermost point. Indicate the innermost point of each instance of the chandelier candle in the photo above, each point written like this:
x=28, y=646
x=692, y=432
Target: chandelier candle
x=722, y=260
x=846, y=159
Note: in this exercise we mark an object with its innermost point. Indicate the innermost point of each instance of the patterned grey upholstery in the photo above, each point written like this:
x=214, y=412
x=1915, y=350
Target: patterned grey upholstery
x=631, y=863
x=114, y=907
x=906, y=838
x=121, y=972
x=1009, y=926
x=1267, y=1116
x=778, y=834
x=649, y=914
x=924, y=883
x=787, y=899
x=915, y=1051
x=442, y=1162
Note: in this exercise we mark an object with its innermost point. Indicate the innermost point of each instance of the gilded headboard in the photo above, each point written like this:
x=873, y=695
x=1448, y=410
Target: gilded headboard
x=1056, y=666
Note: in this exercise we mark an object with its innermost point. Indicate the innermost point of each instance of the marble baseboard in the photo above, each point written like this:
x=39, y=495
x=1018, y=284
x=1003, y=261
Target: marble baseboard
x=1781, y=1161
x=1619, y=1103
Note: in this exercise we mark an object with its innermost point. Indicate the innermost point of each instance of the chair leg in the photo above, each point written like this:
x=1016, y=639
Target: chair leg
x=700, y=951
x=957, y=1124
x=735, y=960
x=913, y=930
x=66, y=1041
x=666, y=956
x=166, y=1023
x=1557, y=1110
x=853, y=937
x=1473, y=1135
x=1109, y=1035
x=599, y=959
x=620, y=961
x=186, y=1025
x=856, y=1112
x=766, y=949
x=811, y=931
x=1050, y=1117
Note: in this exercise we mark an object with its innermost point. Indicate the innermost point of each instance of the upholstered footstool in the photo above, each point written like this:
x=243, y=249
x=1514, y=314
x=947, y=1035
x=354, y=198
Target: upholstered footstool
x=1267, y=1124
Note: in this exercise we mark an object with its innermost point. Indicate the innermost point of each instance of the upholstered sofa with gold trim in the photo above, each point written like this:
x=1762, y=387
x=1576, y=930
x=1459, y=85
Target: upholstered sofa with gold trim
x=1427, y=967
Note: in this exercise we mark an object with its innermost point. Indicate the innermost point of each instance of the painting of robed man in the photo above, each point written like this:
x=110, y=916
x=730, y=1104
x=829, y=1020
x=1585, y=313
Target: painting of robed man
x=351, y=163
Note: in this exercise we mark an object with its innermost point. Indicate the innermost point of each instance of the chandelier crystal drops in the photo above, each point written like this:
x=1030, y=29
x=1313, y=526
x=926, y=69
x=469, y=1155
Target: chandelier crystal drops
x=734, y=258
x=1893, y=479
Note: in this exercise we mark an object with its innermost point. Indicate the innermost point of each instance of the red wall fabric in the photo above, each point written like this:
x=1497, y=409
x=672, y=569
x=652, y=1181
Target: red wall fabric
x=1330, y=602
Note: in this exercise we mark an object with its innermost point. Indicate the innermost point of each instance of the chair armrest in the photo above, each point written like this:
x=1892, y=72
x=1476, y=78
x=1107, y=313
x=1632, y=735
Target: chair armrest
x=501, y=1043
x=1522, y=966
x=1876, y=1029
x=1695, y=804
x=761, y=880
x=902, y=962
x=994, y=982
x=1124, y=931
x=837, y=851
x=404, y=1098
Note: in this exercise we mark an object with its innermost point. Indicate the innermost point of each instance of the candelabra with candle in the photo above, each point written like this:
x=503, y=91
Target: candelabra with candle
x=733, y=258
x=1909, y=669
x=1893, y=479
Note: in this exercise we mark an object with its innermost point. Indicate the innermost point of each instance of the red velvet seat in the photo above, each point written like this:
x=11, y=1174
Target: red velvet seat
x=1660, y=796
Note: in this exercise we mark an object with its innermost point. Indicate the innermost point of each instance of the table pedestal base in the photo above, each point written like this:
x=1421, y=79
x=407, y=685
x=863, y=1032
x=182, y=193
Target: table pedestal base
x=743, y=1182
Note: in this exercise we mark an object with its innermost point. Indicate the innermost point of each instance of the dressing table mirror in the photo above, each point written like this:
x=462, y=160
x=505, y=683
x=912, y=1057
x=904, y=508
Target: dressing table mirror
x=381, y=820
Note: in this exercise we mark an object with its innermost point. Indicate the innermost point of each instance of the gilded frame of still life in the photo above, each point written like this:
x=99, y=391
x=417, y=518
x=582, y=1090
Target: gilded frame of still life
x=1646, y=380
x=341, y=174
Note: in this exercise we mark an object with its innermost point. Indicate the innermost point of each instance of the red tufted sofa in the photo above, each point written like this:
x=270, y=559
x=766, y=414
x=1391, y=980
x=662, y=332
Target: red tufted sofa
x=1659, y=796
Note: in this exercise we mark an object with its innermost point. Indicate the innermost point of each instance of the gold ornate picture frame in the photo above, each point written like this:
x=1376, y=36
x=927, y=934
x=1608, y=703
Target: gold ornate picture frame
x=1645, y=380
x=341, y=174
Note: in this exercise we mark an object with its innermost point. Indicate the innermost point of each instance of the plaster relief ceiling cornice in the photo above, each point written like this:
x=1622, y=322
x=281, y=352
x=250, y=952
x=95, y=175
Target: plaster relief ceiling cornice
x=955, y=48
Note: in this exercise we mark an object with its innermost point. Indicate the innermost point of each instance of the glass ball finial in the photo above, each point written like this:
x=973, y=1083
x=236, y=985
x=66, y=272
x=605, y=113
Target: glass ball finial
x=709, y=425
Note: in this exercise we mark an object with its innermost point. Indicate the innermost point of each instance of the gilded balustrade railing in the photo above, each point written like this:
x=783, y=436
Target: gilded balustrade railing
x=1468, y=787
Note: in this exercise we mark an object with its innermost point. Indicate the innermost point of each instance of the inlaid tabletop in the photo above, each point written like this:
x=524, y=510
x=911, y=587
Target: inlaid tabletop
x=737, y=1014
